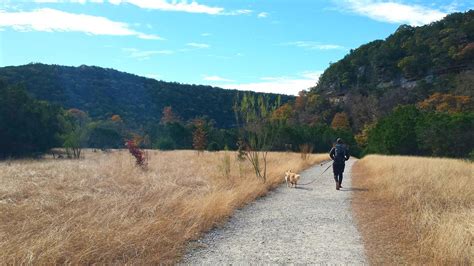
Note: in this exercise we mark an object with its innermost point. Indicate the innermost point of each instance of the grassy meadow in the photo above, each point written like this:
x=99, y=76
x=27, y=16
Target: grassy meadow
x=414, y=210
x=103, y=209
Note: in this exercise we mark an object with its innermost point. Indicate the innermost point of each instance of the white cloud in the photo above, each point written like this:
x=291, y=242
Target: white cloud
x=46, y=1
x=198, y=45
x=313, y=75
x=144, y=55
x=394, y=12
x=52, y=20
x=309, y=45
x=206, y=34
x=216, y=78
x=183, y=6
x=163, y=5
x=282, y=85
x=68, y=1
x=262, y=15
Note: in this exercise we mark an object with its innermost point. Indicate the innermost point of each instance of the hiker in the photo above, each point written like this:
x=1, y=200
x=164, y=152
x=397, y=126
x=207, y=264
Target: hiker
x=339, y=154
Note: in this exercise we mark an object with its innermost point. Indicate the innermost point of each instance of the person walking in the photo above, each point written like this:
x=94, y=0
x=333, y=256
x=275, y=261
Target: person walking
x=339, y=154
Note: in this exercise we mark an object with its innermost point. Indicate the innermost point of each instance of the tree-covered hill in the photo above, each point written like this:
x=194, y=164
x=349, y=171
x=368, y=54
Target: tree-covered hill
x=137, y=100
x=405, y=68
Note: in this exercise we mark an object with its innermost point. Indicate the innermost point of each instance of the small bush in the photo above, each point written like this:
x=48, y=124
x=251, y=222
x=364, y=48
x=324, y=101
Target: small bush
x=213, y=146
x=165, y=145
x=140, y=156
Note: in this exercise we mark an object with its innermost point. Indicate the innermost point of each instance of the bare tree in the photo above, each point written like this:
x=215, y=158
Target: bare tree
x=253, y=115
x=199, y=135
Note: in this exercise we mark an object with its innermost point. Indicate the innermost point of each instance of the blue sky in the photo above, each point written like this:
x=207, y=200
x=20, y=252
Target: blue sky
x=267, y=45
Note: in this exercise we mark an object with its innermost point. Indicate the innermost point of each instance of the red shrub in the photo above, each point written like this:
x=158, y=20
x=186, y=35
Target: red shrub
x=139, y=154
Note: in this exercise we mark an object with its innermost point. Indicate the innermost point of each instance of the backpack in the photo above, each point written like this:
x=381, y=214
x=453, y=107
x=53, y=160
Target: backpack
x=339, y=154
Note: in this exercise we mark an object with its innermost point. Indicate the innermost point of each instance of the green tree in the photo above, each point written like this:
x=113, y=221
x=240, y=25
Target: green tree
x=104, y=137
x=395, y=134
x=445, y=134
x=27, y=126
x=78, y=133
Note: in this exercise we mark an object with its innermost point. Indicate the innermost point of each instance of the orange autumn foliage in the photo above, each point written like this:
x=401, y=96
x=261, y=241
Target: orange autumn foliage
x=447, y=103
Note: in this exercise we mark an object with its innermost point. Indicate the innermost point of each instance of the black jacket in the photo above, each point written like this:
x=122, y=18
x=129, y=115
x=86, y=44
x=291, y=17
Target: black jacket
x=332, y=153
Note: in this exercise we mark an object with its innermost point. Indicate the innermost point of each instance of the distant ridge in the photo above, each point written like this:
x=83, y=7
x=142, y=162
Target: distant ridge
x=103, y=92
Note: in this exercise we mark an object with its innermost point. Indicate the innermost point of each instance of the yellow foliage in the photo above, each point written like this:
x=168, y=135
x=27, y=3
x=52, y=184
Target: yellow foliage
x=447, y=103
x=283, y=112
x=363, y=136
x=116, y=118
x=340, y=121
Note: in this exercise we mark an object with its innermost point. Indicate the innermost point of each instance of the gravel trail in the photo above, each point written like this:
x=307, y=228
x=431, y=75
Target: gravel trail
x=312, y=224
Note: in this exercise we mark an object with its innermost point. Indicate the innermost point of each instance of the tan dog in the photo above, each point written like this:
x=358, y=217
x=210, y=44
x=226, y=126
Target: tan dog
x=291, y=178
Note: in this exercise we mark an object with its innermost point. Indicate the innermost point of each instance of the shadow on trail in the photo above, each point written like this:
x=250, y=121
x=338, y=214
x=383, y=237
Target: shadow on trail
x=304, y=188
x=356, y=189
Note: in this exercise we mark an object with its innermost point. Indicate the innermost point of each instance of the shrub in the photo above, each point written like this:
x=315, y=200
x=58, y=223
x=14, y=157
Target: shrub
x=165, y=144
x=136, y=152
x=213, y=146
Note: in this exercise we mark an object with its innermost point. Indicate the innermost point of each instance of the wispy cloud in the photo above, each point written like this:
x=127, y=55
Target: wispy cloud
x=310, y=45
x=393, y=12
x=262, y=15
x=52, y=20
x=285, y=85
x=238, y=12
x=217, y=79
x=198, y=45
x=145, y=55
x=183, y=6
x=206, y=34
x=69, y=1
x=163, y=5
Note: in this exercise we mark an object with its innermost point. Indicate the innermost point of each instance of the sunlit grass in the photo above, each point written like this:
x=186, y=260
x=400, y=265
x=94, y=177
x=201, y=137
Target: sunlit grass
x=103, y=209
x=436, y=198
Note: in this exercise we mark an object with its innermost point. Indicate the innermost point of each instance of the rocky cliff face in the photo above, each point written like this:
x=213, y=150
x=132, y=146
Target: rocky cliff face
x=407, y=67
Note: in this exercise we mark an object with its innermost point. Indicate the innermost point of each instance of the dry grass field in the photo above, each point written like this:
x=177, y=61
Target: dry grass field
x=414, y=210
x=103, y=209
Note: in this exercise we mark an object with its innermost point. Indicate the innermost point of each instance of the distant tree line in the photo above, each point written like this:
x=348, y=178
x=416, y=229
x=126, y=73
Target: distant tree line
x=30, y=126
x=441, y=125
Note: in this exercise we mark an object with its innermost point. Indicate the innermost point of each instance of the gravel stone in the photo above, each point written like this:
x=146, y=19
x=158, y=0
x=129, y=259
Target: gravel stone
x=311, y=224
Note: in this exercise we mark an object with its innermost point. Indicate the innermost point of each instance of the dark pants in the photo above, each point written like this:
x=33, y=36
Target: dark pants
x=338, y=169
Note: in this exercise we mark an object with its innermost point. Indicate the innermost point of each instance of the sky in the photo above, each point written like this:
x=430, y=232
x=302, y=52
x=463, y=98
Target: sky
x=279, y=46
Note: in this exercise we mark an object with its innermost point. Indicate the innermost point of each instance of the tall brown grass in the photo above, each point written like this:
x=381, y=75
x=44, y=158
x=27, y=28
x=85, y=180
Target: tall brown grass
x=103, y=209
x=434, y=198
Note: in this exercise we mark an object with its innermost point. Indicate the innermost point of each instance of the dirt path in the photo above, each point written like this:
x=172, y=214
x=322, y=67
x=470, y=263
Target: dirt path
x=312, y=224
